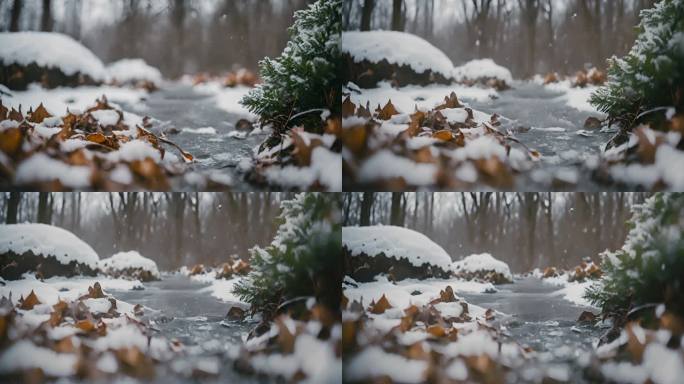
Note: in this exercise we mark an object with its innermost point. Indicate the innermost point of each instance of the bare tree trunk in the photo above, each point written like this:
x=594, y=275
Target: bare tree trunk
x=15, y=15
x=397, y=15
x=13, y=207
x=46, y=17
x=43, y=209
x=396, y=217
x=366, y=14
x=366, y=208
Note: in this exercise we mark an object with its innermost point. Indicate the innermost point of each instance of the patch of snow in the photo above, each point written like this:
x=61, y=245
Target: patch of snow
x=46, y=240
x=483, y=68
x=130, y=70
x=482, y=262
x=397, y=48
x=25, y=355
x=135, y=150
x=395, y=242
x=52, y=50
x=220, y=288
x=385, y=165
x=200, y=131
x=105, y=117
x=41, y=168
x=131, y=259
x=227, y=98
x=375, y=362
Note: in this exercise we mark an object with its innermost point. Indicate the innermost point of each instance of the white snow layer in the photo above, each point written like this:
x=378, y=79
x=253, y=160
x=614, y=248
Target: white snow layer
x=131, y=259
x=129, y=70
x=482, y=262
x=396, y=242
x=482, y=69
x=46, y=240
x=397, y=48
x=26, y=355
x=49, y=49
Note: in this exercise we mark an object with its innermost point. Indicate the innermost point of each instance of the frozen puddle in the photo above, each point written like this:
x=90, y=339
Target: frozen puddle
x=204, y=129
x=177, y=309
x=554, y=128
x=545, y=322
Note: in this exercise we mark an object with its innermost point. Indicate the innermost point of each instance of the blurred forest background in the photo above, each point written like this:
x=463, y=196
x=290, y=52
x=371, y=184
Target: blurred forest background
x=527, y=36
x=173, y=229
x=526, y=230
x=176, y=36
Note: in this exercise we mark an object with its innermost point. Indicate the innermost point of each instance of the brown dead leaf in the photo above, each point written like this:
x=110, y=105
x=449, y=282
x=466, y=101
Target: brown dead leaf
x=354, y=138
x=436, y=330
x=241, y=267
x=3, y=111
x=29, y=302
x=450, y=102
x=57, y=313
x=98, y=138
x=489, y=314
x=549, y=272
x=444, y=135
x=235, y=313
x=348, y=108
x=64, y=345
x=387, y=111
x=39, y=114
x=85, y=325
x=447, y=295
x=285, y=338
x=10, y=141
x=15, y=115
x=381, y=306
x=95, y=292
x=587, y=317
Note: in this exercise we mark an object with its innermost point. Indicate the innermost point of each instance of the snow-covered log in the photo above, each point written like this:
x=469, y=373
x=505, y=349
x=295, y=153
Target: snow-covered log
x=403, y=58
x=44, y=249
x=483, y=266
x=399, y=252
x=52, y=59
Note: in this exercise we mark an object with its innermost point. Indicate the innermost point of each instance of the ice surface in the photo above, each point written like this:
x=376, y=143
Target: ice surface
x=397, y=48
x=50, y=49
x=395, y=242
x=46, y=240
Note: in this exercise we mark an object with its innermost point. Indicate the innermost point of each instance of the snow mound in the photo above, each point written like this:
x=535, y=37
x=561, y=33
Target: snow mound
x=395, y=242
x=128, y=260
x=483, y=262
x=482, y=69
x=50, y=49
x=46, y=240
x=397, y=48
x=132, y=70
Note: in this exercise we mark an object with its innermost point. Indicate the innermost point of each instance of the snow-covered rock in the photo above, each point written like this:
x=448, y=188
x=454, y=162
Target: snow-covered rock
x=483, y=266
x=133, y=70
x=485, y=72
x=398, y=251
x=130, y=264
x=23, y=247
x=49, y=50
x=411, y=59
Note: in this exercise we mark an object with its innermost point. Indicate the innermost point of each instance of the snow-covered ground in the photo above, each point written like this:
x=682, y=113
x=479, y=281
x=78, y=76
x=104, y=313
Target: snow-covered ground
x=132, y=70
x=394, y=242
x=131, y=260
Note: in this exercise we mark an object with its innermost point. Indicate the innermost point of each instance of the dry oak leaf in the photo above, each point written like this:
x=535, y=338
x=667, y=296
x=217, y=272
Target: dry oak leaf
x=10, y=141
x=387, y=111
x=348, y=108
x=444, y=135
x=16, y=115
x=95, y=292
x=85, y=325
x=450, y=102
x=436, y=330
x=354, y=138
x=285, y=338
x=381, y=306
x=39, y=114
x=29, y=302
x=447, y=295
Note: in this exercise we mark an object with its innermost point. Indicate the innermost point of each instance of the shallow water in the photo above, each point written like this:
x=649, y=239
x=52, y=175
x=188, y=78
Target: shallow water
x=180, y=106
x=545, y=322
x=554, y=128
x=178, y=309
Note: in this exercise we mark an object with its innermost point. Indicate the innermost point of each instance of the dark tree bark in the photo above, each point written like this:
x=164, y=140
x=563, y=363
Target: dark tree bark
x=366, y=208
x=366, y=14
x=397, y=15
x=397, y=217
x=43, y=208
x=46, y=17
x=16, y=15
x=13, y=207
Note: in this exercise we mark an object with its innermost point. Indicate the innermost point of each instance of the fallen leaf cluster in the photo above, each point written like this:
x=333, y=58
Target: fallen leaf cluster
x=586, y=270
x=77, y=332
x=484, y=275
x=295, y=339
x=230, y=79
x=430, y=334
x=226, y=270
x=581, y=79
x=98, y=149
x=450, y=146
x=298, y=159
